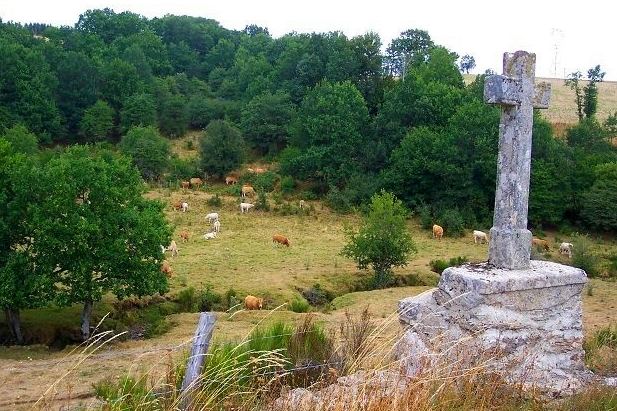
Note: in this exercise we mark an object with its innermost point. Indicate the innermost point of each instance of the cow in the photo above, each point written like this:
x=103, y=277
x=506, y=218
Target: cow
x=253, y=303
x=212, y=217
x=185, y=206
x=247, y=189
x=196, y=182
x=217, y=226
x=173, y=247
x=302, y=203
x=479, y=237
x=184, y=235
x=280, y=239
x=540, y=244
x=245, y=207
x=437, y=231
x=177, y=205
x=259, y=170
x=231, y=180
x=210, y=236
x=185, y=184
x=166, y=269
x=566, y=248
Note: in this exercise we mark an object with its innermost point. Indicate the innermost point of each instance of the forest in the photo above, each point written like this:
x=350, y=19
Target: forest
x=341, y=118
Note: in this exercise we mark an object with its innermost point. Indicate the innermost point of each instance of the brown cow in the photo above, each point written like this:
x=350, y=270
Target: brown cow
x=437, y=231
x=231, y=180
x=176, y=205
x=196, y=182
x=184, y=235
x=247, y=189
x=253, y=303
x=166, y=269
x=185, y=184
x=281, y=239
x=540, y=244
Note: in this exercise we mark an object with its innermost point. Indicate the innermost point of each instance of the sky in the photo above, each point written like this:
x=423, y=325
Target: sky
x=562, y=36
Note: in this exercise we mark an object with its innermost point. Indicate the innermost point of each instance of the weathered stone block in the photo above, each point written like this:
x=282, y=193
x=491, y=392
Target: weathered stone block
x=531, y=317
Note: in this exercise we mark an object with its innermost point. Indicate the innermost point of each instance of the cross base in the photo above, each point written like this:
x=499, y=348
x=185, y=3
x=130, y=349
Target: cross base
x=510, y=248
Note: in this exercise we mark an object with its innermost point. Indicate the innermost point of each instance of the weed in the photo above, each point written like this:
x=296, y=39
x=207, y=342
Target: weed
x=590, y=290
x=438, y=266
x=583, y=257
x=215, y=201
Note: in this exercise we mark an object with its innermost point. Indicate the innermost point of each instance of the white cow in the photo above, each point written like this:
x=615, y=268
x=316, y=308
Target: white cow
x=185, y=207
x=245, y=207
x=479, y=236
x=217, y=226
x=173, y=247
x=302, y=203
x=566, y=248
x=212, y=217
x=210, y=236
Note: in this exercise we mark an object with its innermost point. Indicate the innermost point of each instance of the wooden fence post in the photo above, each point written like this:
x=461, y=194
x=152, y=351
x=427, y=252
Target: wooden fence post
x=201, y=342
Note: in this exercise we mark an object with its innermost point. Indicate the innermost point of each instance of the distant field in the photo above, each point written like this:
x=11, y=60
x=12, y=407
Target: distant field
x=562, y=110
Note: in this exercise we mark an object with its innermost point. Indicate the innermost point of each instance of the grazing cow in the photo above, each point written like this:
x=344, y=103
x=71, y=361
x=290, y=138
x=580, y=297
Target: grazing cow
x=185, y=184
x=210, y=236
x=540, y=244
x=185, y=207
x=173, y=247
x=302, y=203
x=566, y=248
x=245, y=207
x=176, y=205
x=280, y=239
x=479, y=237
x=231, y=180
x=184, y=235
x=217, y=226
x=196, y=182
x=253, y=303
x=212, y=217
x=437, y=231
x=247, y=189
x=166, y=269
x=259, y=170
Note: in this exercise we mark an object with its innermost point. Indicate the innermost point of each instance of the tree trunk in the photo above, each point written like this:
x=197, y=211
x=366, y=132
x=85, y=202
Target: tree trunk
x=85, y=319
x=14, y=322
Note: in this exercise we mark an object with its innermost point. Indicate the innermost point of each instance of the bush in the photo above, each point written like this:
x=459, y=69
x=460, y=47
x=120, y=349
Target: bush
x=181, y=169
x=215, y=201
x=453, y=223
x=262, y=202
x=426, y=219
x=208, y=300
x=221, y=148
x=338, y=200
x=582, y=257
x=438, y=266
x=231, y=298
x=186, y=300
x=299, y=305
x=265, y=181
x=287, y=185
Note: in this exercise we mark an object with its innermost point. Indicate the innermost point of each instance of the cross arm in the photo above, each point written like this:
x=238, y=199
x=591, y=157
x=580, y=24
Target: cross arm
x=502, y=90
x=541, y=95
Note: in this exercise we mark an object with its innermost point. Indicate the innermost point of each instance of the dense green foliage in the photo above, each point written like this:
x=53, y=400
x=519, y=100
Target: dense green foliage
x=343, y=119
x=148, y=149
x=383, y=241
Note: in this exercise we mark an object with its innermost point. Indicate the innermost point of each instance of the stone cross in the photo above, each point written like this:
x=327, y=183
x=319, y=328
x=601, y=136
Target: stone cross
x=516, y=93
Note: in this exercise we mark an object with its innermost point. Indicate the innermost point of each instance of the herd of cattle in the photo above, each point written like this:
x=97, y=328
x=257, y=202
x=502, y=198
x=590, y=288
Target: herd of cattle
x=480, y=237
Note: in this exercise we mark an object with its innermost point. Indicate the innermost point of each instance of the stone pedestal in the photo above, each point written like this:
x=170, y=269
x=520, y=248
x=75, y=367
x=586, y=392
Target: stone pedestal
x=529, y=321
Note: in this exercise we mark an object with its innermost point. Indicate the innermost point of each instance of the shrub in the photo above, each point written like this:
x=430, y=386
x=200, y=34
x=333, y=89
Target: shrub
x=231, y=298
x=287, y=185
x=299, y=305
x=221, y=148
x=264, y=181
x=262, y=202
x=148, y=149
x=338, y=200
x=215, y=201
x=426, y=219
x=582, y=257
x=438, y=266
x=453, y=223
x=186, y=300
x=208, y=300
x=182, y=169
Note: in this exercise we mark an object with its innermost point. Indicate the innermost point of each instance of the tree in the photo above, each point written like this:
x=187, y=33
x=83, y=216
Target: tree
x=221, y=148
x=265, y=121
x=467, y=63
x=97, y=122
x=173, y=116
x=148, y=149
x=600, y=202
x=594, y=76
x=24, y=281
x=382, y=241
x=573, y=81
x=139, y=110
x=22, y=141
x=410, y=48
x=98, y=231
